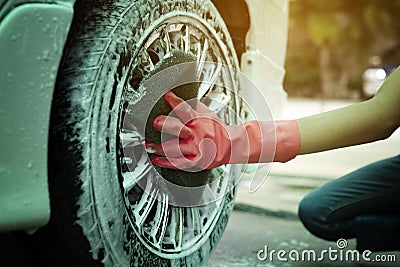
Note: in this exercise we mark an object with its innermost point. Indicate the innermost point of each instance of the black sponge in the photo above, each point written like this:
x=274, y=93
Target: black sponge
x=186, y=92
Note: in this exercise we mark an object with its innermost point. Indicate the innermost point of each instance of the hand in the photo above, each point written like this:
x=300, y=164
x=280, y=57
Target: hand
x=204, y=141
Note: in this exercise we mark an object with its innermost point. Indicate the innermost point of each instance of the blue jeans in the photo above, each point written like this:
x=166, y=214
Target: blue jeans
x=364, y=204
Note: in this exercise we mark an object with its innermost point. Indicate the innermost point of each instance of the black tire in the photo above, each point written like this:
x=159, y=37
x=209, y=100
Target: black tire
x=89, y=224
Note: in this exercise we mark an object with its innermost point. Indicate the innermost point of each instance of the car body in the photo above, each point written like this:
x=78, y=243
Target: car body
x=33, y=35
x=31, y=48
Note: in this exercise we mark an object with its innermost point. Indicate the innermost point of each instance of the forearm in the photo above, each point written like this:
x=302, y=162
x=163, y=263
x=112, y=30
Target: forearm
x=205, y=142
x=356, y=124
x=361, y=123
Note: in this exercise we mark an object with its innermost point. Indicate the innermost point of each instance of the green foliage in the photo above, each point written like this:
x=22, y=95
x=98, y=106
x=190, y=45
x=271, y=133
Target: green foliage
x=352, y=31
x=382, y=19
x=323, y=29
x=328, y=22
x=321, y=5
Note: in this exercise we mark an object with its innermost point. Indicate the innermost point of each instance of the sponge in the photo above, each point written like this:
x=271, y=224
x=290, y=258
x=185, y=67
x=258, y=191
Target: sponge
x=186, y=92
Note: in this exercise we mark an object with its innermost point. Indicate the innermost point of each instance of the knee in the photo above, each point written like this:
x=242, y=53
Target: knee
x=314, y=217
x=306, y=211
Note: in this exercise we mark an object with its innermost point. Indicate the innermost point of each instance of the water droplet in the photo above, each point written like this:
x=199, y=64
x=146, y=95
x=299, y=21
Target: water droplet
x=39, y=17
x=46, y=55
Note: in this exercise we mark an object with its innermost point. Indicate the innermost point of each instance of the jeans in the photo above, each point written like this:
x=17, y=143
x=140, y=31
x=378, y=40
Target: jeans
x=364, y=204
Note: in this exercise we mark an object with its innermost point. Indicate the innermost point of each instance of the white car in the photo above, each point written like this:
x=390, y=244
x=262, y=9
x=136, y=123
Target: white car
x=67, y=70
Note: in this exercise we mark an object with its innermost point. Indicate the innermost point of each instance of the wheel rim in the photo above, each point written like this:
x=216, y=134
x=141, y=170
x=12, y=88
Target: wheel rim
x=166, y=230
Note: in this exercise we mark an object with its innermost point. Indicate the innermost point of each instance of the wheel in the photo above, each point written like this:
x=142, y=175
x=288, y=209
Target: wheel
x=104, y=208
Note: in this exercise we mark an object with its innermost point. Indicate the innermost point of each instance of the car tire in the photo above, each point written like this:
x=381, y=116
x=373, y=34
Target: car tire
x=91, y=215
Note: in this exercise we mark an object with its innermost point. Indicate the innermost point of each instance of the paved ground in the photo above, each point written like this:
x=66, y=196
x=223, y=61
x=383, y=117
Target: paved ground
x=249, y=232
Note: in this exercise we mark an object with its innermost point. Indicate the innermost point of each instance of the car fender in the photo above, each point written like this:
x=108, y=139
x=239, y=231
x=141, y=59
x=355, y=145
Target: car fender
x=32, y=39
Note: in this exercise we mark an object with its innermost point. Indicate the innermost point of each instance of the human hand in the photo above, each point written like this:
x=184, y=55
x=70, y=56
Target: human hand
x=203, y=139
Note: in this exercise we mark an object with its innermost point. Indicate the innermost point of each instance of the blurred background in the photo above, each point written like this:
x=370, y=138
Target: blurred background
x=339, y=53
x=332, y=43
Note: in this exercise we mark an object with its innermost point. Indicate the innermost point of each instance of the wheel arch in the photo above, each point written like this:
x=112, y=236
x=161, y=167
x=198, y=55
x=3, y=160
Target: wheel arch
x=237, y=18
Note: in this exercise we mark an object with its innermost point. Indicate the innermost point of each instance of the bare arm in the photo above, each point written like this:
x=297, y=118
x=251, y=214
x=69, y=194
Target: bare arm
x=365, y=122
x=360, y=123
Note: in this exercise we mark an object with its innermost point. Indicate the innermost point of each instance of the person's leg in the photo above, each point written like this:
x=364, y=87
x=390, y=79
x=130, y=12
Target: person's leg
x=347, y=207
x=378, y=232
